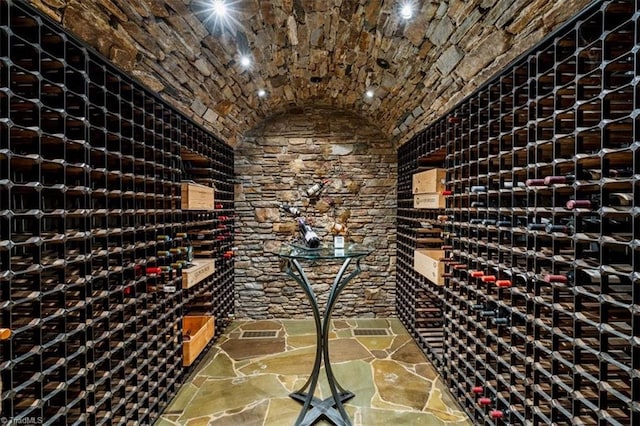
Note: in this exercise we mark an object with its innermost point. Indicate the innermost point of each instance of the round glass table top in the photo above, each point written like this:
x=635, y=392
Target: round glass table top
x=294, y=251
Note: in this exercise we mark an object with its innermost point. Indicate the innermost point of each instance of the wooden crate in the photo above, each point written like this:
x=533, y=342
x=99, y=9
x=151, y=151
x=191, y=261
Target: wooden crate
x=200, y=330
x=428, y=264
x=201, y=269
x=196, y=197
x=429, y=181
x=430, y=200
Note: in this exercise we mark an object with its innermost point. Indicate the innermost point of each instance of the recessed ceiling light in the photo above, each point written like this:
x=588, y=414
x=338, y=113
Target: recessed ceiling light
x=219, y=7
x=406, y=11
x=382, y=63
x=369, y=93
x=262, y=93
x=245, y=61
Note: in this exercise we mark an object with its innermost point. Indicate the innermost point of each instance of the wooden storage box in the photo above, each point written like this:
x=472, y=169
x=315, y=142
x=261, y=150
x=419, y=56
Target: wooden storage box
x=429, y=181
x=196, y=197
x=200, y=330
x=427, y=263
x=430, y=200
x=201, y=269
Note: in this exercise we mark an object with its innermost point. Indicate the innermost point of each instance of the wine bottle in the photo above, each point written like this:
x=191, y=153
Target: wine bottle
x=293, y=211
x=556, y=278
x=5, y=333
x=308, y=234
x=535, y=182
x=557, y=180
x=618, y=173
x=537, y=226
x=316, y=188
x=615, y=199
x=582, y=204
x=500, y=321
x=188, y=250
x=510, y=184
x=620, y=199
x=496, y=414
x=561, y=228
x=477, y=390
x=488, y=314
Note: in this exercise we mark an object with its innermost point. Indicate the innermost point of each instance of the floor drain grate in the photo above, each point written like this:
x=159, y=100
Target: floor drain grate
x=370, y=332
x=259, y=334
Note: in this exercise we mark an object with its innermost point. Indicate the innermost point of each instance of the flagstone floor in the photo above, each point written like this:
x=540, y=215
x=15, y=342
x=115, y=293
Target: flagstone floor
x=245, y=381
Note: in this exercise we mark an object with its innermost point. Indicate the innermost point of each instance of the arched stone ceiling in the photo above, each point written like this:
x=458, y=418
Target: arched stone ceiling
x=434, y=59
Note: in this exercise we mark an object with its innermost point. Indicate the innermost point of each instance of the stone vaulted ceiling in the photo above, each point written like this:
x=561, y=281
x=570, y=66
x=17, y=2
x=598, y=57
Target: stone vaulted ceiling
x=312, y=52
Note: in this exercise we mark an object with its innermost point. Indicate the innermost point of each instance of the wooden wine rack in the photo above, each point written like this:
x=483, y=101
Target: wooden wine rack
x=91, y=165
x=539, y=307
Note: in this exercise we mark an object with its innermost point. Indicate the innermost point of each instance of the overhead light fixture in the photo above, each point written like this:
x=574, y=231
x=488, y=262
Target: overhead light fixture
x=383, y=63
x=219, y=7
x=245, y=61
x=406, y=10
x=262, y=93
x=217, y=15
x=369, y=93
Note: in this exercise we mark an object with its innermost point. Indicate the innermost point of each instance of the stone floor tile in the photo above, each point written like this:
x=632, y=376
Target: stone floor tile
x=247, y=382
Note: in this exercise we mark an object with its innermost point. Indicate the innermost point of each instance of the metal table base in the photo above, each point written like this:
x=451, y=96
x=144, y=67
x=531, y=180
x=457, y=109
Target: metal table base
x=331, y=408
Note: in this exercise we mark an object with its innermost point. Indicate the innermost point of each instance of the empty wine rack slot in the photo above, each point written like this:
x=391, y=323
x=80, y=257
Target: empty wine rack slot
x=92, y=235
x=536, y=322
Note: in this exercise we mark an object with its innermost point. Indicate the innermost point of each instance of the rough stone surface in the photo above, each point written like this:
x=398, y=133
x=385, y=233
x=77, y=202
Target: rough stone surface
x=361, y=194
x=435, y=59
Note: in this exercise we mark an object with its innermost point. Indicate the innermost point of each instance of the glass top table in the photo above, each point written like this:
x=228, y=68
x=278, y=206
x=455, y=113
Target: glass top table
x=293, y=251
x=332, y=407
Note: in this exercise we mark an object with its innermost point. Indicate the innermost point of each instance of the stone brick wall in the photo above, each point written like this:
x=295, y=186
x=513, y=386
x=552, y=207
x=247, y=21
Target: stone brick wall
x=275, y=163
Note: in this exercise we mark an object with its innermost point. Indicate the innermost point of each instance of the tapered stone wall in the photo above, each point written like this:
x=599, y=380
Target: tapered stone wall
x=275, y=164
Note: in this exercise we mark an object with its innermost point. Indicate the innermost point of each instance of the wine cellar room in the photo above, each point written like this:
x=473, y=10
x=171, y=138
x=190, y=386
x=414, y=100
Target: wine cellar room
x=298, y=212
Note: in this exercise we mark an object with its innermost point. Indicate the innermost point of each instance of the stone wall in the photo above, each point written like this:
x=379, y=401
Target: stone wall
x=274, y=165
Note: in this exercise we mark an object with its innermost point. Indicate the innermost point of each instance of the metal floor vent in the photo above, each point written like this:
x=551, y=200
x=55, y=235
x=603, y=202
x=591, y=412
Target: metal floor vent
x=259, y=334
x=370, y=332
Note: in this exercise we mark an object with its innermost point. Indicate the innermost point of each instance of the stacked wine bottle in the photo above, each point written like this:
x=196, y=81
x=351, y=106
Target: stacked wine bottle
x=540, y=296
x=90, y=175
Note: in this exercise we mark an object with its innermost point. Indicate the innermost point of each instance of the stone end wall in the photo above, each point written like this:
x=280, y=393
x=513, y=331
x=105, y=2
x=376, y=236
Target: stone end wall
x=275, y=164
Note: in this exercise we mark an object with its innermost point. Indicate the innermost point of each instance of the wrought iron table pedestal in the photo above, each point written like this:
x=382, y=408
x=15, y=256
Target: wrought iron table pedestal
x=332, y=407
